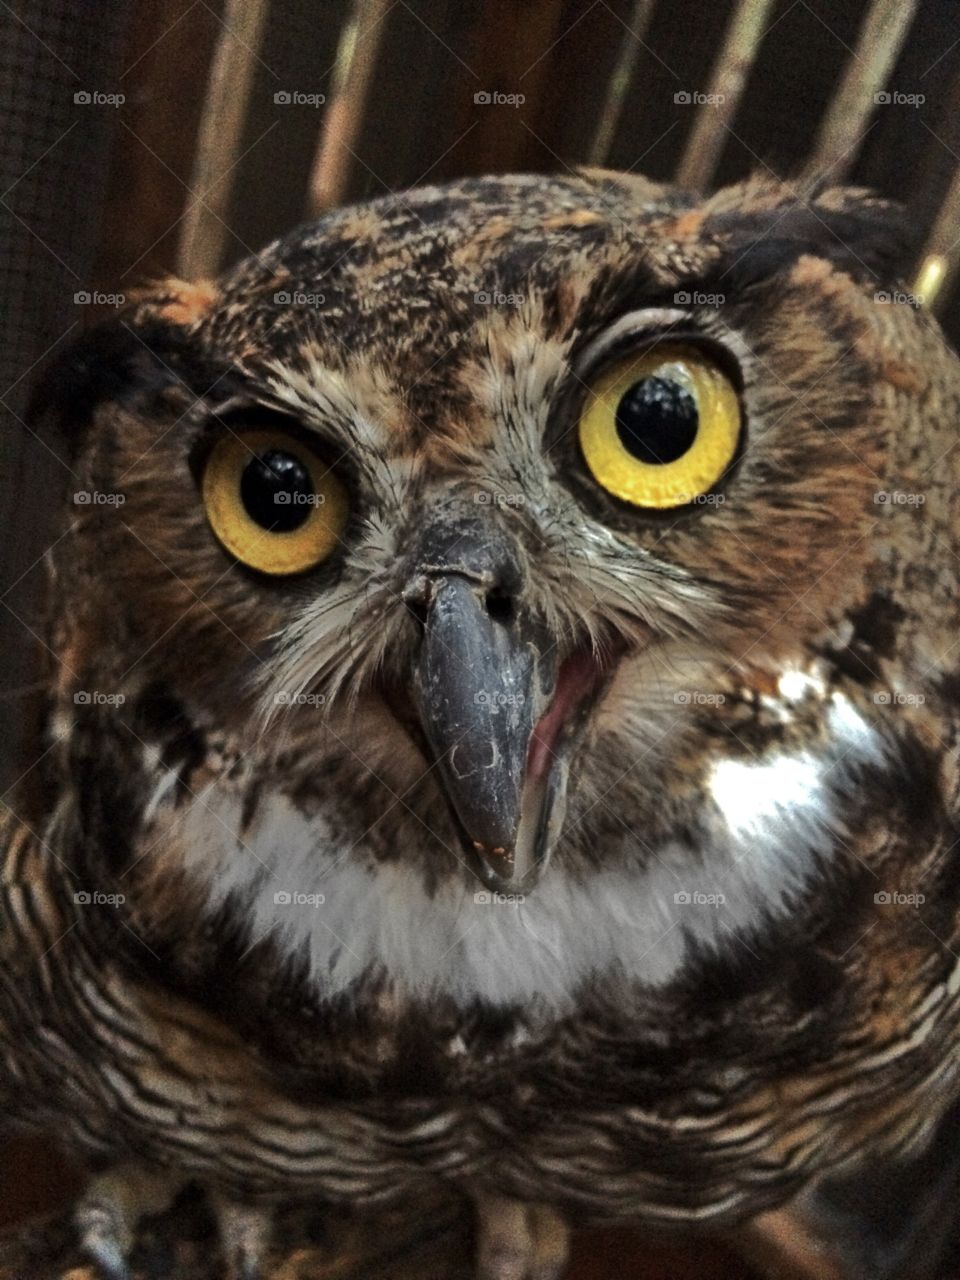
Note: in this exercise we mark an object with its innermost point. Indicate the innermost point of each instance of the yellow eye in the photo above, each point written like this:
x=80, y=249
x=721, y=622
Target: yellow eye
x=272, y=502
x=661, y=428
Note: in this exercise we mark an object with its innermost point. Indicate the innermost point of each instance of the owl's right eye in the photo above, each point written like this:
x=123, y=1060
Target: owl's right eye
x=272, y=502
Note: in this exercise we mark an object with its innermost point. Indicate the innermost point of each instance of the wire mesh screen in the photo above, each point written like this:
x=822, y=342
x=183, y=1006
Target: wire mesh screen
x=180, y=135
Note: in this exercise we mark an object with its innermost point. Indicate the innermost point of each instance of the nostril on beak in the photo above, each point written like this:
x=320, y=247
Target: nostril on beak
x=499, y=605
x=417, y=610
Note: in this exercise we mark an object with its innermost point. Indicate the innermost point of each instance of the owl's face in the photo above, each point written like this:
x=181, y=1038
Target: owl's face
x=531, y=531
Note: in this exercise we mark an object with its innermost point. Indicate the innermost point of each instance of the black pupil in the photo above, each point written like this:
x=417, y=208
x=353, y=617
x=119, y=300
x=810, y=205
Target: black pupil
x=657, y=420
x=276, y=490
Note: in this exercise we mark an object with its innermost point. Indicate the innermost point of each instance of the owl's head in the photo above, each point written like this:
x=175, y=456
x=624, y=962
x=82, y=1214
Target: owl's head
x=514, y=521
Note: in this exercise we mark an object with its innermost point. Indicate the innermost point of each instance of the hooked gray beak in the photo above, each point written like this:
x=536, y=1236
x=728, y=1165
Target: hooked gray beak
x=500, y=712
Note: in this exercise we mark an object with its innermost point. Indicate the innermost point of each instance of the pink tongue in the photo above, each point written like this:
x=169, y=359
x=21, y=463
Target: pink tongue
x=575, y=679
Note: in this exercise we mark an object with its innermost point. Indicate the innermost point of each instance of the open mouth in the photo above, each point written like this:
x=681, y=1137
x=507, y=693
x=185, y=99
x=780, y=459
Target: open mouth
x=581, y=679
x=514, y=865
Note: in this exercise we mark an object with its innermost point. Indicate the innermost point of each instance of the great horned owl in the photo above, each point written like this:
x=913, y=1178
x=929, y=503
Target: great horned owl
x=502, y=726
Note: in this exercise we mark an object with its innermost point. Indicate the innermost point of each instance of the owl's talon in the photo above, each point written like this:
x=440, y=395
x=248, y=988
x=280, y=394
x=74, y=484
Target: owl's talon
x=244, y=1235
x=107, y=1214
x=107, y=1257
x=517, y=1241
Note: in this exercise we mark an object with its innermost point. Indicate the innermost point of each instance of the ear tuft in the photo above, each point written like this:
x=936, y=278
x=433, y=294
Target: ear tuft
x=770, y=222
x=139, y=351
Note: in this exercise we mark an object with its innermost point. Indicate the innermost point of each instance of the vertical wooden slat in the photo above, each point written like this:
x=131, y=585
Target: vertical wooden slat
x=430, y=125
x=165, y=68
x=941, y=252
x=881, y=38
x=299, y=52
x=726, y=85
x=356, y=58
x=634, y=32
x=221, y=129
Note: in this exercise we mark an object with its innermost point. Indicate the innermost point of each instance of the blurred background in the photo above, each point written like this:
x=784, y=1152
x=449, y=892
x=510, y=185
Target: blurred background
x=176, y=136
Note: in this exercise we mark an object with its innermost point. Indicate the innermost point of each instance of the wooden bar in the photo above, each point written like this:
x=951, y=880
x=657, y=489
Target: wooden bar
x=733, y=64
x=941, y=252
x=845, y=122
x=357, y=55
x=221, y=131
x=619, y=84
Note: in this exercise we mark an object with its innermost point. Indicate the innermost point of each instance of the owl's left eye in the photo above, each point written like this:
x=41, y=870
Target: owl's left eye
x=272, y=502
x=661, y=428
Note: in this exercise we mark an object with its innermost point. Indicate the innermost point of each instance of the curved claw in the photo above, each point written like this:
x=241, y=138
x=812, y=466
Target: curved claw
x=107, y=1256
x=244, y=1234
x=107, y=1214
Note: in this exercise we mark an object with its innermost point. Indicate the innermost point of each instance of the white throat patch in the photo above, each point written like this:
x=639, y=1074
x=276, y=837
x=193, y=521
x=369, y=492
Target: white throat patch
x=769, y=823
